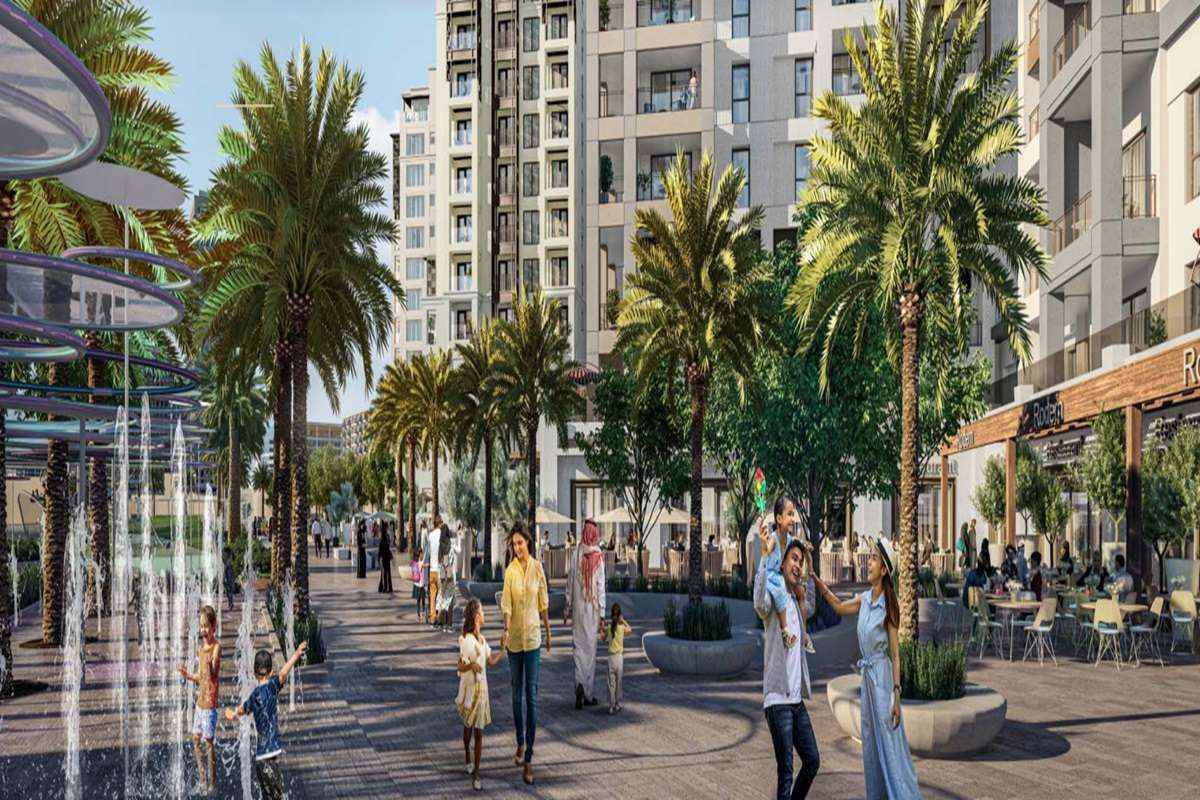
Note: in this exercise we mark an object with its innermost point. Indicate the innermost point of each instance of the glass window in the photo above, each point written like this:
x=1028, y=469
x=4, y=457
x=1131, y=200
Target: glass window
x=412, y=299
x=414, y=206
x=414, y=268
x=532, y=83
x=415, y=237
x=845, y=79
x=431, y=199
x=462, y=131
x=463, y=38
x=414, y=175
x=414, y=144
x=558, y=26
x=530, y=131
x=741, y=18
x=803, y=87
x=804, y=15
x=532, y=228
x=558, y=223
x=669, y=91
x=659, y=165
x=504, y=34
x=558, y=124
x=531, y=34
x=531, y=179
x=462, y=228
x=463, y=84
x=741, y=161
x=462, y=180
x=504, y=179
x=529, y=271
x=803, y=167
x=559, y=75
x=413, y=330
x=560, y=272
x=741, y=93
x=560, y=176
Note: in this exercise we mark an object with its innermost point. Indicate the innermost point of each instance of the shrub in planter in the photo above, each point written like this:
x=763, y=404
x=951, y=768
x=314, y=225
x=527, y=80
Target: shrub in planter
x=933, y=671
x=642, y=584
x=262, y=557
x=699, y=622
x=29, y=584
x=305, y=628
x=483, y=572
x=27, y=550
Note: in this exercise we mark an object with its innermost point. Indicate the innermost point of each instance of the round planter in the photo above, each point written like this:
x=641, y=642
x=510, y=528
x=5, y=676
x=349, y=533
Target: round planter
x=721, y=659
x=485, y=591
x=935, y=728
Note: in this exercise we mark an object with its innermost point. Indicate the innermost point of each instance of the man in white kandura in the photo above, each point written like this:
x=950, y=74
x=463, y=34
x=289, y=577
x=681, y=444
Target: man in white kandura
x=585, y=594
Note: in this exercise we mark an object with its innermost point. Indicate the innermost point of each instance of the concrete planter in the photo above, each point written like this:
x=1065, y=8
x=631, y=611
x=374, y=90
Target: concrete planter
x=726, y=658
x=935, y=728
x=485, y=591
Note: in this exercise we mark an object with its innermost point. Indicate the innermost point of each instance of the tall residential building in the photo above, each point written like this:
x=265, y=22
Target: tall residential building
x=414, y=200
x=354, y=433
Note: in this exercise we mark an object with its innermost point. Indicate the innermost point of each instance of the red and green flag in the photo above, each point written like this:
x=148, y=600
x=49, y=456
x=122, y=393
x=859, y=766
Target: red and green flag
x=760, y=491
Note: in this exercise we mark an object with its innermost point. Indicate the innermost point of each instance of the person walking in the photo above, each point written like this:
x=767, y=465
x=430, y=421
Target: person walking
x=887, y=761
x=615, y=632
x=473, y=702
x=523, y=603
x=586, y=598
x=435, y=566
x=315, y=529
x=450, y=547
x=786, y=680
x=385, y=563
x=361, y=541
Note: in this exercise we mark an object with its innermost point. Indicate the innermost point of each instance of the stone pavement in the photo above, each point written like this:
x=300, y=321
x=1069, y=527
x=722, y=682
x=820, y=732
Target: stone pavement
x=378, y=720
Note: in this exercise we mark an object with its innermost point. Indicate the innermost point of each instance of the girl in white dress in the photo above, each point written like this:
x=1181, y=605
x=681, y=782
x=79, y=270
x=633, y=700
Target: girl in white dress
x=473, y=704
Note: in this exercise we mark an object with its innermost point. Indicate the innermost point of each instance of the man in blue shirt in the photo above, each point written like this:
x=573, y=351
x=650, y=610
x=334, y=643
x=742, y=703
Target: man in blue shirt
x=263, y=703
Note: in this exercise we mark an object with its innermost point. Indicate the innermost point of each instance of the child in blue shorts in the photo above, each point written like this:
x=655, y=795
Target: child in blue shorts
x=777, y=588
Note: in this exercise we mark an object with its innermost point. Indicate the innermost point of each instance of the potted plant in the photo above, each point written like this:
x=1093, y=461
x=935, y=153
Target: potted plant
x=606, y=178
x=605, y=15
x=643, y=185
x=699, y=639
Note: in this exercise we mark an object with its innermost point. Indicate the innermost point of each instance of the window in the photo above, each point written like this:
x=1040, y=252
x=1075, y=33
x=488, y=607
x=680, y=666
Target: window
x=531, y=34
x=462, y=132
x=504, y=179
x=413, y=330
x=504, y=228
x=558, y=26
x=803, y=167
x=664, y=12
x=532, y=83
x=669, y=91
x=741, y=18
x=414, y=237
x=845, y=79
x=1193, y=141
x=504, y=277
x=741, y=160
x=560, y=272
x=412, y=299
x=462, y=84
x=532, y=228
x=530, y=131
x=414, y=205
x=558, y=124
x=560, y=75
x=558, y=224
x=463, y=38
x=804, y=15
x=504, y=34
x=414, y=268
x=431, y=234
x=741, y=93
x=462, y=180
x=658, y=165
x=504, y=132
x=560, y=176
x=531, y=179
x=462, y=324
x=504, y=83
x=462, y=228
x=431, y=199
x=803, y=87
x=462, y=276
x=529, y=272
x=414, y=144
x=414, y=175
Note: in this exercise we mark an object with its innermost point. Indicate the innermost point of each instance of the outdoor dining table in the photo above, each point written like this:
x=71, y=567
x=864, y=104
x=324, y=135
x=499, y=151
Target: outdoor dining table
x=1014, y=607
x=1126, y=608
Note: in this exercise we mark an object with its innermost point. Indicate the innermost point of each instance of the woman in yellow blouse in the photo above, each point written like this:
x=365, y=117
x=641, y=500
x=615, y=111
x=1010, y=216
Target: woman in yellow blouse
x=524, y=603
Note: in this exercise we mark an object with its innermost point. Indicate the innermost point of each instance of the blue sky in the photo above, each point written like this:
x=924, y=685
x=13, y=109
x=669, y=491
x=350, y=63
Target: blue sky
x=391, y=41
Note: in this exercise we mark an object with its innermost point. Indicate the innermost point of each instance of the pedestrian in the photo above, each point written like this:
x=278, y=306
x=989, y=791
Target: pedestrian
x=263, y=703
x=586, y=598
x=887, y=761
x=315, y=529
x=208, y=682
x=435, y=566
x=473, y=701
x=523, y=603
x=328, y=543
x=361, y=541
x=227, y=576
x=418, y=580
x=448, y=564
x=693, y=89
x=786, y=678
x=773, y=539
x=615, y=632
x=385, y=563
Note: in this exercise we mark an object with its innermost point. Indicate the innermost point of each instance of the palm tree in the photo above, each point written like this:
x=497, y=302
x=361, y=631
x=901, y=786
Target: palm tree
x=425, y=409
x=236, y=409
x=46, y=216
x=477, y=409
x=691, y=302
x=261, y=482
x=390, y=423
x=295, y=213
x=532, y=377
x=908, y=214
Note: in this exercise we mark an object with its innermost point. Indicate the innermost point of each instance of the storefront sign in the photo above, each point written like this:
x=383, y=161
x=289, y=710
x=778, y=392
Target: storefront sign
x=1191, y=369
x=1040, y=414
x=933, y=469
x=965, y=440
x=1163, y=429
x=1063, y=451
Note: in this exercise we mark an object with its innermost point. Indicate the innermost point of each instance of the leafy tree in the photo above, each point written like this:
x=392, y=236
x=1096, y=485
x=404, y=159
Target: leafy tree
x=1031, y=482
x=376, y=475
x=391, y=422
x=990, y=496
x=343, y=504
x=1162, y=507
x=691, y=303
x=1100, y=469
x=1051, y=511
x=911, y=218
x=426, y=405
x=326, y=472
x=512, y=495
x=1183, y=470
x=637, y=451
x=463, y=500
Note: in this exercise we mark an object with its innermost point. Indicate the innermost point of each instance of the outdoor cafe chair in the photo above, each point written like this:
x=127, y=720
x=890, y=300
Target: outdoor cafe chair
x=1039, y=634
x=990, y=630
x=1144, y=636
x=1109, y=627
x=1183, y=617
x=942, y=606
x=1068, y=615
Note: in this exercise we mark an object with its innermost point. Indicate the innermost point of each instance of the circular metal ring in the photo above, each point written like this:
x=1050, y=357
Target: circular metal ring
x=57, y=344
x=189, y=276
x=190, y=379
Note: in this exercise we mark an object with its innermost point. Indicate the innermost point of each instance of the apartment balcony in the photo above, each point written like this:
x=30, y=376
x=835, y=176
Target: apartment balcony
x=506, y=94
x=1033, y=47
x=462, y=95
x=557, y=90
x=506, y=240
x=506, y=47
x=558, y=132
x=666, y=12
x=461, y=6
x=615, y=20
x=461, y=240
x=558, y=276
x=461, y=191
x=460, y=48
x=463, y=283
x=1073, y=36
x=1071, y=225
x=460, y=144
x=1138, y=197
x=557, y=234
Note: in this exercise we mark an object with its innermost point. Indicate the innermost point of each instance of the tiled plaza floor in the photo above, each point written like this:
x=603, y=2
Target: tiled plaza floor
x=378, y=720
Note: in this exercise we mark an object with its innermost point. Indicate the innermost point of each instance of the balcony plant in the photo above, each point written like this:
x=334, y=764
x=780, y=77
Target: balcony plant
x=643, y=185
x=605, y=15
x=606, y=178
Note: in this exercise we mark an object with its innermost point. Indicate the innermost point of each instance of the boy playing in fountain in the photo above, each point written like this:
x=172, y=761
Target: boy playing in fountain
x=263, y=703
x=208, y=681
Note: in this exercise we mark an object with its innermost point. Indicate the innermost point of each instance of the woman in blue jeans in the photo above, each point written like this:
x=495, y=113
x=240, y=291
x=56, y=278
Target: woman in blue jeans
x=524, y=604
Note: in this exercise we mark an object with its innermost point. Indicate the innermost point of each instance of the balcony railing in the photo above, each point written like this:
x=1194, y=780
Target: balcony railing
x=1071, y=225
x=461, y=41
x=610, y=104
x=462, y=283
x=1138, y=198
x=462, y=186
x=615, y=20
x=416, y=116
x=558, y=129
x=559, y=275
x=1140, y=6
x=557, y=229
x=665, y=12
x=560, y=179
x=1035, y=123
x=462, y=139
x=1068, y=43
x=462, y=235
x=678, y=98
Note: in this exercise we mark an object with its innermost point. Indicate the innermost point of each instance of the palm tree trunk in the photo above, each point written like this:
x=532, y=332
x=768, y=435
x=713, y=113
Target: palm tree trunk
x=412, y=488
x=100, y=566
x=58, y=519
x=281, y=494
x=234, y=528
x=698, y=385
x=299, y=311
x=433, y=460
x=487, y=500
x=911, y=308
x=399, y=468
x=531, y=475
x=6, y=577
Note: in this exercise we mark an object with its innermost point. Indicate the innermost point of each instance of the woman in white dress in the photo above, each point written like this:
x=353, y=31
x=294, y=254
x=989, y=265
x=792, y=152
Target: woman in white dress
x=587, y=602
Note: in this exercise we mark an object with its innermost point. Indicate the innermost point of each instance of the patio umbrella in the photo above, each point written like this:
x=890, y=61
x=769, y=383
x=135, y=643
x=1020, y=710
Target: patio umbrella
x=545, y=516
x=674, y=516
x=618, y=514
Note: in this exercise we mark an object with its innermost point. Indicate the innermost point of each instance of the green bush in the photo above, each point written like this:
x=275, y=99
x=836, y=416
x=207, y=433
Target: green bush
x=29, y=584
x=723, y=586
x=262, y=557
x=483, y=571
x=934, y=671
x=926, y=582
x=305, y=629
x=27, y=549
x=700, y=622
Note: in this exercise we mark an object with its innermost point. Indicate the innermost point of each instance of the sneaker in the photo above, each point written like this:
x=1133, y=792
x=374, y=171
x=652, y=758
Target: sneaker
x=809, y=647
x=475, y=784
x=789, y=639
x=470, y=768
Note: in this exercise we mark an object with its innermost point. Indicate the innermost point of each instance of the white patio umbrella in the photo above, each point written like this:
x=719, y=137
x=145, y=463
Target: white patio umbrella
x=619, y=514
x=674, y=516
x=546, y=516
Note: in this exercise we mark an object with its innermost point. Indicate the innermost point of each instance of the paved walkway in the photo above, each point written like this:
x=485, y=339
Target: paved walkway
x=378, y=720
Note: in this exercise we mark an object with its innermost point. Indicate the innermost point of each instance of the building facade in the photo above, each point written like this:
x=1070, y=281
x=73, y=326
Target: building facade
x=414, y=200
x=323, y=434
x=354, y=433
